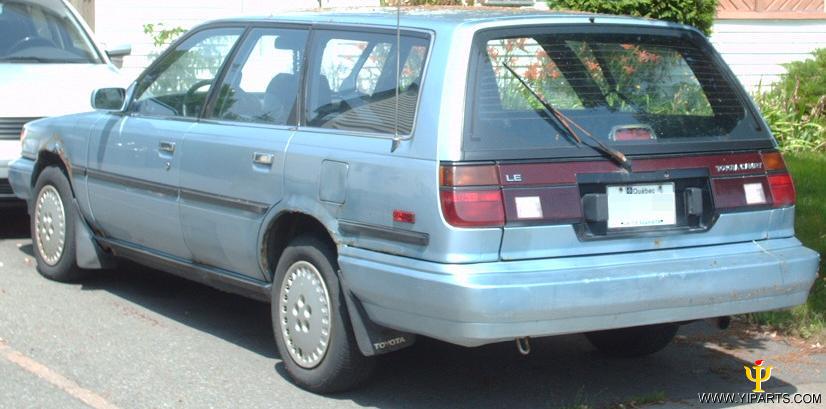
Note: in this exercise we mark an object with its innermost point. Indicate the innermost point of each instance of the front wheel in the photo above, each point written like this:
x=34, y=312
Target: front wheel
x=53, y=228
x=635, y=341
x=310, y=321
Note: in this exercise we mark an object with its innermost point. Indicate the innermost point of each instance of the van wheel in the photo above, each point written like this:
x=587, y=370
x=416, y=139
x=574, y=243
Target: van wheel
x=635, y=341
x=310, y=321
x=53, y=228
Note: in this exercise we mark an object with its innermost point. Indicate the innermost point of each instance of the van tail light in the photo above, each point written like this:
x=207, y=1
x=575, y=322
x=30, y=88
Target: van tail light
x=471, y=196
x=782, y=189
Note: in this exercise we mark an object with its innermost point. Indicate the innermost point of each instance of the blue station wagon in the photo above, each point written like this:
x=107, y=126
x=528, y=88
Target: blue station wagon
x=472, y=176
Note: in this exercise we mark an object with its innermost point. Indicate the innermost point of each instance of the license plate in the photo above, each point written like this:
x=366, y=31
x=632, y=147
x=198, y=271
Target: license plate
x=642, y=205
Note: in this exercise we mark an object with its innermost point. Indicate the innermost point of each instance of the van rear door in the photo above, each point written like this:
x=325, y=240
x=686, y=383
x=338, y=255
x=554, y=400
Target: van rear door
x=704, y=168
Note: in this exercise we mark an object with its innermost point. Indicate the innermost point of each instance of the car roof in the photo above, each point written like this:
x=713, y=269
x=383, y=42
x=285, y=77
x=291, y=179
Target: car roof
x=445, y=18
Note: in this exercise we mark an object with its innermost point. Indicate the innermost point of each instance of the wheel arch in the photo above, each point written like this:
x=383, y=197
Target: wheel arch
x=282, y=227
x=47, y=158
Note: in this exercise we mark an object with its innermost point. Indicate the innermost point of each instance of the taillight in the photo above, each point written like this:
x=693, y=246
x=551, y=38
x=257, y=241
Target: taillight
x=471, y=196
x=780, y=181
x=773, y=161
x=473, y=208
x=782, y=188
x=454, y=176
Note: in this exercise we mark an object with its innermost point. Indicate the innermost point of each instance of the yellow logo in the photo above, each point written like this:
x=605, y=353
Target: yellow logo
x=761, y=374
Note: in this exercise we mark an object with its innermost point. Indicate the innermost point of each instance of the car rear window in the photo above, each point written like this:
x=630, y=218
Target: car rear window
x=639, y=90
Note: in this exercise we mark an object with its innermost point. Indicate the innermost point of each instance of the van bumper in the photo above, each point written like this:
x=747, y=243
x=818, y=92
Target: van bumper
x=9, y=151
x=20, y=177
x=477, y=304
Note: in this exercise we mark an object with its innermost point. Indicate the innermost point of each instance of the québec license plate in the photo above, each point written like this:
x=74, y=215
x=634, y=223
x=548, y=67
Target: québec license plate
x=642, y=205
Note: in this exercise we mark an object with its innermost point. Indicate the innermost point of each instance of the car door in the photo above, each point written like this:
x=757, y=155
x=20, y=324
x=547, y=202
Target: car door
x=232, y=166
x=134, y=158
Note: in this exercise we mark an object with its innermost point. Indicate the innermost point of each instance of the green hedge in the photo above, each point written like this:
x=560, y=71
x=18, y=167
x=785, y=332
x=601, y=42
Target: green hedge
x=795, y=106
x=697, y=13
x=805, y=82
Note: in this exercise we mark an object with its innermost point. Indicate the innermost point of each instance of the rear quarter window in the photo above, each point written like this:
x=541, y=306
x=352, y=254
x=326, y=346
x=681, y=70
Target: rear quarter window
x=353, y=81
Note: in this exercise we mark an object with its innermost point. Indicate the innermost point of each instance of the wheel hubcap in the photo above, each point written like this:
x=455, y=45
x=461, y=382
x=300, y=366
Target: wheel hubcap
x=304, y=314
x=50, y=225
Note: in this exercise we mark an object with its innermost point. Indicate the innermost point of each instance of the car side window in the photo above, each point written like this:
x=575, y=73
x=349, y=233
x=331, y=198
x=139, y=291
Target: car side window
x=262, y=85
x=352, y=81
x=179, y=84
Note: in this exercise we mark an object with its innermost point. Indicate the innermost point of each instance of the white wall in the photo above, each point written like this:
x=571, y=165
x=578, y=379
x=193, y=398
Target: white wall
x=121, y=21
x=755, y=49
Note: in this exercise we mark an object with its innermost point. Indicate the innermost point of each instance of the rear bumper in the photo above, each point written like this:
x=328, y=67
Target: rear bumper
x=476, y=304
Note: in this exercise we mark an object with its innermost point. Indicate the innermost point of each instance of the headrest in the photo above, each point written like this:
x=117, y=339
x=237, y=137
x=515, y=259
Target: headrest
x=282, y=82
x=292, y=41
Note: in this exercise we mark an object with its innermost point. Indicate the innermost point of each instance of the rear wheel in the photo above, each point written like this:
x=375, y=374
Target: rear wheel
x=310, y=321
x=635, y=341
x=53, y=228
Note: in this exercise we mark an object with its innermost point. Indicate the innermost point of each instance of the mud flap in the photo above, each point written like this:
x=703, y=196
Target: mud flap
x=372, y=339
x=88, y=253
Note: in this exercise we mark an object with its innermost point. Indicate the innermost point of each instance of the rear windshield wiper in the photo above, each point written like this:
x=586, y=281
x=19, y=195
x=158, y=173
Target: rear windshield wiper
x=566, y=123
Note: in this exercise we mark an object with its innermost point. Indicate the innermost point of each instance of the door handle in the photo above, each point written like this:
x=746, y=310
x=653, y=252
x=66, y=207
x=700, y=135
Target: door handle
x=263, y=159
x=168, y=147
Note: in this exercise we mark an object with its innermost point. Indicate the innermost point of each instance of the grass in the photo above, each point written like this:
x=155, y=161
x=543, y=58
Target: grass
x=807, y=320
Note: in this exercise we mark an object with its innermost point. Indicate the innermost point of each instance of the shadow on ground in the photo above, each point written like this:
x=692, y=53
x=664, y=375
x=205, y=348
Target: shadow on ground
x=14, y=223
x=561, y=371
x=239, y=320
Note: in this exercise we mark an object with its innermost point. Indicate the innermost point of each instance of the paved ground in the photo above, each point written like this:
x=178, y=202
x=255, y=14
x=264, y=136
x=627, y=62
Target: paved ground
x=137, y=338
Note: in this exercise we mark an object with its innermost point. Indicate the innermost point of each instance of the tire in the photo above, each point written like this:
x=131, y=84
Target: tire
x=635, y=341
x=298, y=321
x=52, y=212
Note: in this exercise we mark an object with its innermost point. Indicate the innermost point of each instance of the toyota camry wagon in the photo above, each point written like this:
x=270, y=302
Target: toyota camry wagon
x=470, y=176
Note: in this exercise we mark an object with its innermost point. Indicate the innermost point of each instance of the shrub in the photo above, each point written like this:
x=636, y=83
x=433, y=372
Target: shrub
x=794, y=132
x=795, y=107
x=698, y=13
x=162, y=36
x=805, y=82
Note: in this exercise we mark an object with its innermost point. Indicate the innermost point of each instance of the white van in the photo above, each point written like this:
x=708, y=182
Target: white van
x=49, y=65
